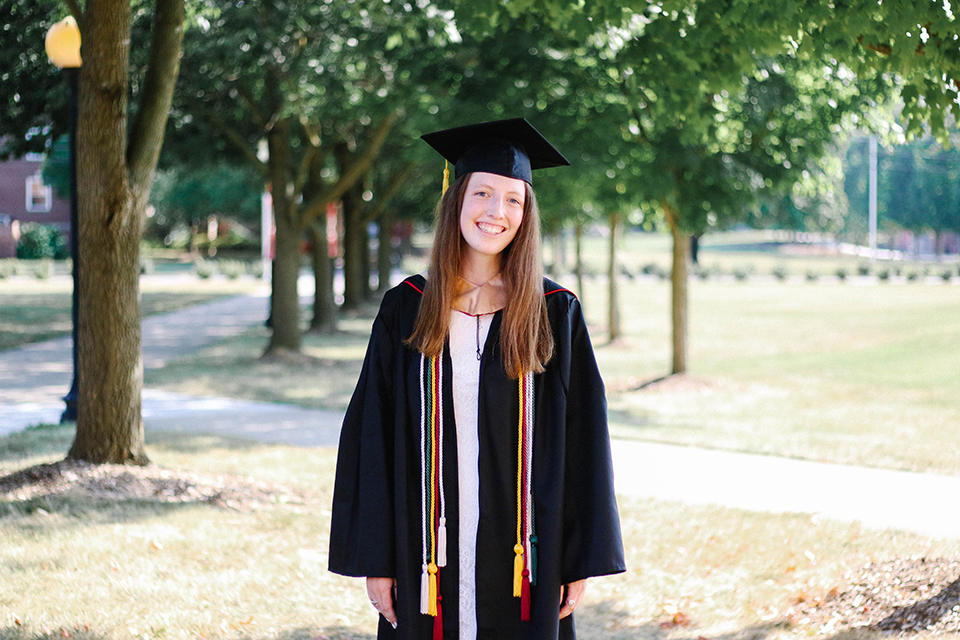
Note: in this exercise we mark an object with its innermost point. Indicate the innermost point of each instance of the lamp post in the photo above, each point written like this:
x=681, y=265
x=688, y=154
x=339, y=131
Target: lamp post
x=63, y=48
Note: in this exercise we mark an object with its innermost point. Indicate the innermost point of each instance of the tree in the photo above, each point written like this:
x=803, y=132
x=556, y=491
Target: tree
x=324, y=85
x=917, y=185
x=186, y=198
x=33, y=100
x=684, y=67
x=115, y=171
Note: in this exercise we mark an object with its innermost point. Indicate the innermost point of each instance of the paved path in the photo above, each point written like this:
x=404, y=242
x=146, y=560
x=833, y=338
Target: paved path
x=33, y=379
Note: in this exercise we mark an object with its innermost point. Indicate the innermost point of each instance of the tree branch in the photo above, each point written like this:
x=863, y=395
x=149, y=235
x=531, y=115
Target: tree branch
x=357, y=169
x=147, y=133
x=396, y=183
x=245, y=95
x=238, y=142
x=78, y=14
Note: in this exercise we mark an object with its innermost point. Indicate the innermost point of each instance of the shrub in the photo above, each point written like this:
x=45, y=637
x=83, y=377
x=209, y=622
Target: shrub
x=913, y=276
x=40, y=241
x=883, y=274
x=863, y=269
x=255, y=268
x=741, y=273
x=203, y=268
x=812, y=276
x=8, y=268
x=841, y=274
x=701, y=272
x=946, y=274
x=232, y=269
x=43, y=269
x=780, y=272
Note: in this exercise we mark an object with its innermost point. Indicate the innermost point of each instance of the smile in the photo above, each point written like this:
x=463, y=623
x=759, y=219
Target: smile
x=490, y=228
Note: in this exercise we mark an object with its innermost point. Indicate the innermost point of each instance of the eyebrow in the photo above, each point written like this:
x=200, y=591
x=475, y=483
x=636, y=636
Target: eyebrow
x=485, y=185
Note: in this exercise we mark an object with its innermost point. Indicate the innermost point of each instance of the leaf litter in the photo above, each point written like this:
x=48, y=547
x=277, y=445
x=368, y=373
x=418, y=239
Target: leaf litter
x=899, y=596
x=150, y=483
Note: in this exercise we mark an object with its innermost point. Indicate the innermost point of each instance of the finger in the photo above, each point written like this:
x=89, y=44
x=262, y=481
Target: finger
x=572, y=596
x=382, y=594
x=567, y=604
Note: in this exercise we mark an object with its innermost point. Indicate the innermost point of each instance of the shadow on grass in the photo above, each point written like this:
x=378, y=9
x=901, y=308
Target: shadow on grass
x=325, y=633
x=26, y=632
x=37, y=441
x=17, y=632
x=187, y=442
x=609, y=620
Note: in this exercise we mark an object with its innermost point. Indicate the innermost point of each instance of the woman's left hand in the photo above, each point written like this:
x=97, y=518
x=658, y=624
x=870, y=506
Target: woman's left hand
x=571, y=596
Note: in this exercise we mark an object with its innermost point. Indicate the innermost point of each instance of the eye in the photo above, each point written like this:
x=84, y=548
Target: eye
x=480, y=193
x=517, y=201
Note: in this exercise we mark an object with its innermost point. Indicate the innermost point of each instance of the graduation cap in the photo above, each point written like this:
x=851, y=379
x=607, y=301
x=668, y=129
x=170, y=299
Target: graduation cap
x=511, y=148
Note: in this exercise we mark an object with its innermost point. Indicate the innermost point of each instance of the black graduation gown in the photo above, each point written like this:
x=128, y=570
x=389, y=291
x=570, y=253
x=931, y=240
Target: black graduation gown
x=376, y=521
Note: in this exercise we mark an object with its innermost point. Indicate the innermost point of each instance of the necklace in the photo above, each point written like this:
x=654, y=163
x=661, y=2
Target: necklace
x=479, y=354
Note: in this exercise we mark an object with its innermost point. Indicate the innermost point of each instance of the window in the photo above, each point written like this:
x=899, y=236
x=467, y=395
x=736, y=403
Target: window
x=39, y=195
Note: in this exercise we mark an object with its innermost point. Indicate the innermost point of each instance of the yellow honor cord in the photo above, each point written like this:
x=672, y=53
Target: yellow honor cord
x=432, y=569
x=518, y=549
x=446, y=177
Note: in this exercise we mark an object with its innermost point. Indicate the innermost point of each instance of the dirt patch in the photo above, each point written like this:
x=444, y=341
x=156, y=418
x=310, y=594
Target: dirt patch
x=150, y=483
x=899, y=596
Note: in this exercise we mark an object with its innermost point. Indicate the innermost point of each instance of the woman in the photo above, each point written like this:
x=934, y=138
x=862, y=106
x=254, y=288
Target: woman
x=474, y=487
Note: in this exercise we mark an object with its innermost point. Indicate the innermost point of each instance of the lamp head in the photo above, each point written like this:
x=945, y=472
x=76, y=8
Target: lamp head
x=63, y=44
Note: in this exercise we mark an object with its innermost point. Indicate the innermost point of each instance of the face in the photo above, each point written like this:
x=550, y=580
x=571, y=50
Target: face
x=491, y=213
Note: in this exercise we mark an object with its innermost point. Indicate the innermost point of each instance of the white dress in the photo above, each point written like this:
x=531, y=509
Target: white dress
x=468, y=334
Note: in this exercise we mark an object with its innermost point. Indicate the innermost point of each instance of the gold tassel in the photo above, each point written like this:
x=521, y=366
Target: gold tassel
x=442, y=543
x=433, y=590
x=518, y=571
x=446, y=177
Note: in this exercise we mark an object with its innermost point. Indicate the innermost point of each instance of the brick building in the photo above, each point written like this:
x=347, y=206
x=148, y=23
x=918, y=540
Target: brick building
x=25, y=198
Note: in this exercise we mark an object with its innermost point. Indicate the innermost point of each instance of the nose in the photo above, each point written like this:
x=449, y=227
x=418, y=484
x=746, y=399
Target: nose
x=496, y=207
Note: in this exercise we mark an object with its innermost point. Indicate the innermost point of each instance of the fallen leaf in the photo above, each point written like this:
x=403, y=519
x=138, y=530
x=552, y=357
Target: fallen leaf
x=156, y=545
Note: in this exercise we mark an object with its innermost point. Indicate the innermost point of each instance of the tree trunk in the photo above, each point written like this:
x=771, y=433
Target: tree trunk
x=578, y=266
x=678, y=288
x=613, y=315
x=284, y=299
x=385, y=251
x=324, y=306
x=354, y=237
x=114, y=176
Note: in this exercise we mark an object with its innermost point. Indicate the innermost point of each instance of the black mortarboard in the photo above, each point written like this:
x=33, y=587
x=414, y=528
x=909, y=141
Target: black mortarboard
x=511, y=148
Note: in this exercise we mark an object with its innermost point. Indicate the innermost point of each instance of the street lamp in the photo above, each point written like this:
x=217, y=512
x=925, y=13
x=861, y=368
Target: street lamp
x=63, y=48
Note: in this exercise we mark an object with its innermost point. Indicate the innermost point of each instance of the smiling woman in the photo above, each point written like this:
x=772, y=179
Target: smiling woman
x=477, y=432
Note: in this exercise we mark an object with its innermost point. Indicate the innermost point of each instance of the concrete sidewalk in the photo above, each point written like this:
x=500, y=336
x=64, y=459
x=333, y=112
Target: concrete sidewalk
x=33, y=379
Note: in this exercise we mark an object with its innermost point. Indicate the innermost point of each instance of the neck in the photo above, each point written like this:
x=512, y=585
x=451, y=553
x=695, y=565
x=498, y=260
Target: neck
x=478, y=270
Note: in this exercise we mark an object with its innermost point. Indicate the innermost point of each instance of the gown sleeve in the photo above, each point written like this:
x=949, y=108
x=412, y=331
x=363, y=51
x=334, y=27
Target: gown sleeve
x=362, y=523
x=592, y=540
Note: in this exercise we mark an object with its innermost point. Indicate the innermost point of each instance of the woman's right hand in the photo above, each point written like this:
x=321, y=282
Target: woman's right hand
x=380, y=591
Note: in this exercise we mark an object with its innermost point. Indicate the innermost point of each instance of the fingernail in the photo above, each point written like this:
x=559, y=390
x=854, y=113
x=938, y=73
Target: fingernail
x=393, y=624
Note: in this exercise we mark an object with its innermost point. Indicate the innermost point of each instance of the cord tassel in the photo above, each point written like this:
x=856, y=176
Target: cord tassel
x=525, y=597
x=518, y=571
x=438, y=621
x=442, y=543
x=425, y=591
x=432, y=593
x=446, y=177
x=533, y=560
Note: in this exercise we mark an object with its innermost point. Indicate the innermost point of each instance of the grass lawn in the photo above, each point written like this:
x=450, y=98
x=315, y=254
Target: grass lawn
x=842, y=372
x=34, y=310
x=87, y=568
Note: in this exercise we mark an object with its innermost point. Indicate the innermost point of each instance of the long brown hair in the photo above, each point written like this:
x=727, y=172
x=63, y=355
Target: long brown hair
x=526, y=342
